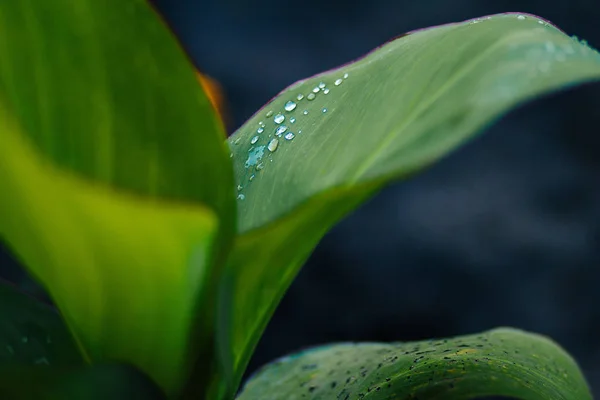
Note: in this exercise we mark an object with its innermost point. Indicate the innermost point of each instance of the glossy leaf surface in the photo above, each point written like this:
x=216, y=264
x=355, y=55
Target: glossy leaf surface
x=327, y=143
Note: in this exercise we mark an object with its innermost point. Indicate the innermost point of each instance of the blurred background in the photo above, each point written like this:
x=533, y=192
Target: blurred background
x=505, y=231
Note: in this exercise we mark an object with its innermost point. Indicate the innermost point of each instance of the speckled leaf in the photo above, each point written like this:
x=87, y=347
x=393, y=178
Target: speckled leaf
x=32, y=333
x=349, y=131
x=501, y=362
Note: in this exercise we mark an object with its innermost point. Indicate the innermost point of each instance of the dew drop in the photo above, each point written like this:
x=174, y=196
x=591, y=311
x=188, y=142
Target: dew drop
x=305, y=112
x=260, y=130
x=289, y=106
x=311, y=96
x=300, y=131
x=255, y=156
x=237, y=141
x=290, y=136
x=316, y=89
x=299, y=97
x=272, y=146
x=322, y=85
x=292, y=120
x=254, y=140
x=280, y=130
x=541, y=22
x=346, y=76
x=241, y=196
x=251, y=177
x=521, y=17
x=261, y=124
x=338, y=82
x=279, y=118
x=324, y=110
x=269, y=113
x=239, y=187
x=326, y=91
x=230, y=155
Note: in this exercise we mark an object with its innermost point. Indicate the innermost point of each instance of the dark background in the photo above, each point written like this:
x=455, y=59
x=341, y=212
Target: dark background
x=505, y=231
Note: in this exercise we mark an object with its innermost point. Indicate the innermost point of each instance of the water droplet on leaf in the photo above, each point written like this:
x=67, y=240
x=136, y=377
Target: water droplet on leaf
x=305, y=112
x=254, y=140
x=290, y=136
x=292, y=120
x=255, y=156
x=269, y=113
x=316, y=89
x=299, y=97
x=280, y=130
x=324, y=110
x=338, y=82
x=311, y=96
x=279, y=118
x=321, y=85
x=346, y=76
x=272, y=146
x=289, y=106
x=241, y=196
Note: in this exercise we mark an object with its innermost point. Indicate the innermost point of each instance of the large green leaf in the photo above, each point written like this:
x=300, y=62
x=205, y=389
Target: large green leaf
x=104, y=187
x=383, y=117
x=124, y=270
x=102, y=89
x=503, y=362
x=32, y=333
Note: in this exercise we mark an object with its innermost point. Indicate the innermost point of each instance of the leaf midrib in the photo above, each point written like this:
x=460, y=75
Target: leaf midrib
x=383, y=144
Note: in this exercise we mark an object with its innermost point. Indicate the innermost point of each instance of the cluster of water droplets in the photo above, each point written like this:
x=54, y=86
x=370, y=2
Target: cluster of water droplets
x=281, y=128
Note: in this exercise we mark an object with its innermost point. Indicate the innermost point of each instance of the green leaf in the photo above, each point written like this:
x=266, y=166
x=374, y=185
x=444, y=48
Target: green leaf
x=97, y=382
x=501, y=362
x=32, y=333
x=105, y=186
x=103, y=90
x=124, y=270
x=378, y=119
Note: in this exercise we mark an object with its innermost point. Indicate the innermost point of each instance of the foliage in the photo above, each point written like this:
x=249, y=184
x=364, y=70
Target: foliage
x=118, y=194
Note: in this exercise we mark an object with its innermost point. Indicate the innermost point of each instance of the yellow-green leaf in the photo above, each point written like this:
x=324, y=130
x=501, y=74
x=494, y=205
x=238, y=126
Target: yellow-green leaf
x=125, y=270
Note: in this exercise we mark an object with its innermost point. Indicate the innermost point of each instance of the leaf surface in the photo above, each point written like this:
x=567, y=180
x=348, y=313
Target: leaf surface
x=327, y=143
x=501, y=362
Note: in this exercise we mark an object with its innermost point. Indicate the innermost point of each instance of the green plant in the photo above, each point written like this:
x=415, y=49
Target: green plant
x=118, y=194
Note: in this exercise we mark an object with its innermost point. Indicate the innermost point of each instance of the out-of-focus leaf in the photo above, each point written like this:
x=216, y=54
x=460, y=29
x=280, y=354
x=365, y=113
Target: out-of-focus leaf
x=126, y=271
x=501, y=362
x=97, y=382
x=32, y=333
